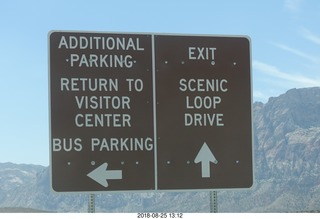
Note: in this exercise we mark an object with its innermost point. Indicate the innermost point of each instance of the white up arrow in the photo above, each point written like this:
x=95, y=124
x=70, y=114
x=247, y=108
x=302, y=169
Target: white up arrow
x=101, y=174
x=205, y=156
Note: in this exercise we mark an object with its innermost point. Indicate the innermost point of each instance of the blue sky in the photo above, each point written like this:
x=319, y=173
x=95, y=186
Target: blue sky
x=285, y=38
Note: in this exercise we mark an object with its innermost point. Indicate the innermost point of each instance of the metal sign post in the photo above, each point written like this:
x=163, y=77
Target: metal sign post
x=91, y=203
x=213, y=202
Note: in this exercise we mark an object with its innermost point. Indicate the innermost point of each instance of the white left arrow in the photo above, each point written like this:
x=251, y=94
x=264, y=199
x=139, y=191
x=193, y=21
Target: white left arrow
x=101, y=174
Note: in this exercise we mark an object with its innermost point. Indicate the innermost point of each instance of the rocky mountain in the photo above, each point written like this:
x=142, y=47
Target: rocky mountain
x=287, y=156
x=14, y=177
x=287, y=171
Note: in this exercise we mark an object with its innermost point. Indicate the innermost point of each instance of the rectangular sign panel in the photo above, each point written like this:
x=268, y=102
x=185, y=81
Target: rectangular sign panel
x=204, y=137
x=133, y=112
x=101, y=98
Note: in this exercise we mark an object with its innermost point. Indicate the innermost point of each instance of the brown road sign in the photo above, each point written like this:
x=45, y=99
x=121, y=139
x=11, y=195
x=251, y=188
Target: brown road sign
x=133, y=112
x=101, y=102
x=204, y=137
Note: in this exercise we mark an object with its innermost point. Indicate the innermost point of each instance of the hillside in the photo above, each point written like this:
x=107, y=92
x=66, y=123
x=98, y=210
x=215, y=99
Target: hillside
x=20, y=210
x=287, y=156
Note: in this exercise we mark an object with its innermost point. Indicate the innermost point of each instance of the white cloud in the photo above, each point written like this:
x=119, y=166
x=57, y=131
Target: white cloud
x=296, y=79
x=310, y=36
x=292, y=5
x=259, y=96
x=298, y=53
